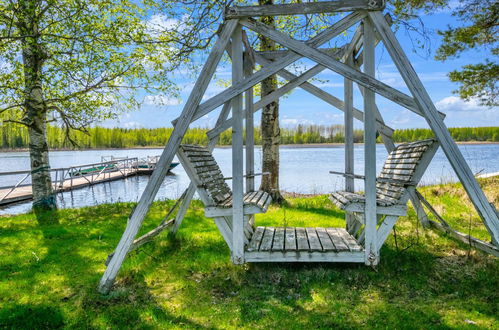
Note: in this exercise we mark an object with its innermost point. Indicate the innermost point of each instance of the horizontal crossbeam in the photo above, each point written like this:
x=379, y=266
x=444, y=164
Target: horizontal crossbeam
x=322, y=7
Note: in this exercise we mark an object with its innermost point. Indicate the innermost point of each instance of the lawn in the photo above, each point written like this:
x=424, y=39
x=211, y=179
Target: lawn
x=49, y=273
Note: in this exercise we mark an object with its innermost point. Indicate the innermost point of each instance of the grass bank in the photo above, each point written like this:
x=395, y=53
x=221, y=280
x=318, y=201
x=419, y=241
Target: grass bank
x=49, y=272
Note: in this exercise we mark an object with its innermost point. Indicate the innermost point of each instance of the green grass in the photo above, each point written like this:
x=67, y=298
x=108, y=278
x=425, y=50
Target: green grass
x=49, y=273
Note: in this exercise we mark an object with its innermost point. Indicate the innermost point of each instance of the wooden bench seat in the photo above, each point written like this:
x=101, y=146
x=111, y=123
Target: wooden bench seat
x=403, y=169
x=298, y=244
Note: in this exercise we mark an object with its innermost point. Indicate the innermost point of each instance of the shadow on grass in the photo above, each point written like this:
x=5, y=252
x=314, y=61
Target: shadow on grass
x=188, y=281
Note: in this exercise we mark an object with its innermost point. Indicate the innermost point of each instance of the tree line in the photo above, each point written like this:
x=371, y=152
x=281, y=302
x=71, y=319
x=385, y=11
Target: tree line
x=16, y=137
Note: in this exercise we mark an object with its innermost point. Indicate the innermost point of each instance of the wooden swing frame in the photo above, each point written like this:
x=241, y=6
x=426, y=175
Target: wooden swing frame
x=372, y=27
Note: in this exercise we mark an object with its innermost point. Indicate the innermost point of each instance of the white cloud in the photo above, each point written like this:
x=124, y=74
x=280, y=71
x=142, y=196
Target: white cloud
x=159, y=23
x=454, y=103
x=161, y=100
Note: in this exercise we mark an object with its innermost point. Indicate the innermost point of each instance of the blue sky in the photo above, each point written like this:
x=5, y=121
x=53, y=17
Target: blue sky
x=301, y=107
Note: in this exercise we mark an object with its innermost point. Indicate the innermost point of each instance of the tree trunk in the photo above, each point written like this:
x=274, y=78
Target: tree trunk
x=271, y=133
x=36, y=109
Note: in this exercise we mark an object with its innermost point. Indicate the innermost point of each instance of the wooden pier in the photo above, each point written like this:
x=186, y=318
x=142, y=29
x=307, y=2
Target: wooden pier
x=75, y=177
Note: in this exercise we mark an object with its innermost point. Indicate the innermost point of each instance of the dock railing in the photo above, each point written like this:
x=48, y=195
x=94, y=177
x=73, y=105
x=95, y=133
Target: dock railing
x=63, y=177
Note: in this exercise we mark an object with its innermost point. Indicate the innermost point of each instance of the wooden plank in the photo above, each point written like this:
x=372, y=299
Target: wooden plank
x=424, y=102
x=303, y=8
x=467, y=239
x=370, y=213
x=336, y=239
x=237, y=253
x=278, y=244
x=301, y=239
x=256, y=240
x=290, y=239
x=300, y=256
x=313, y=239
x=139, y=212
x=349, y=240
x=250, y=133
x=327, y=244
x=268, y=238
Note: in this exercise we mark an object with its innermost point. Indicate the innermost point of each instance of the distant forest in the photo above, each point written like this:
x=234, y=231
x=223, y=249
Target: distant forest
x=16, y=137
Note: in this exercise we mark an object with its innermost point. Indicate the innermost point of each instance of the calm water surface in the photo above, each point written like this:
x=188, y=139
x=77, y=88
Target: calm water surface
x=303, y=170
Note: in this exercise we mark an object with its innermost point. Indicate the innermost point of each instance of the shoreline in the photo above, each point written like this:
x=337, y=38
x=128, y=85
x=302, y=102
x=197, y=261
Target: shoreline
x=304, y=145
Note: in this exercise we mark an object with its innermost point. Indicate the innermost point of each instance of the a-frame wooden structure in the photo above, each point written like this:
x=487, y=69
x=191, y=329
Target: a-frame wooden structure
x=372, y=27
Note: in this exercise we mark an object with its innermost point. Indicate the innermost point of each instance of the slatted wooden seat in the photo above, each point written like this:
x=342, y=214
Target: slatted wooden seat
x=212, y=188
x=216, y=195
x=403, y=168
x=298, y=244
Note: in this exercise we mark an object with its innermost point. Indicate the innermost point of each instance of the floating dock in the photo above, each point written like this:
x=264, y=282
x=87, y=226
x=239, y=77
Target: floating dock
x=80, y=176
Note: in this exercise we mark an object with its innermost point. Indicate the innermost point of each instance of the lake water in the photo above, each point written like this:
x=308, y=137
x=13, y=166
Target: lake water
x=302, y=170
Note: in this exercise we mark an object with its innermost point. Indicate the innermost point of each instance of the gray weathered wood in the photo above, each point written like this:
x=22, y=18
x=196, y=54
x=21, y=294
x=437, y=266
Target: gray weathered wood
x=303, y=8
x=313, y=239
x=166, y=158
x=349, y=145
x=305, y=256
x=336, y=239
x=348, y=239
x=264, y=73
x=250, y=138
x=256, y=240
x=335, y=65
x=268, y=238
x=301, y=239
x=370, y=219
x=424, y=102
x=237, y=252
x=327, y=244
x=290, y=239
x=278, y=244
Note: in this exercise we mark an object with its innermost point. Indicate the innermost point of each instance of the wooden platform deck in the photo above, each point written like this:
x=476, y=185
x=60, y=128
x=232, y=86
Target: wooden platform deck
x=298, y=244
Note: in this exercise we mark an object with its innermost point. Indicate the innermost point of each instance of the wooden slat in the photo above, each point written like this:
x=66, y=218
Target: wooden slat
x=256, y=240
x=290, y=239
x=313, y=239
x=278, y=244
x=268, y=237
x=348, y=239
x=302, y=8
x=336, y=239
x=327, y=244
x=301, y=239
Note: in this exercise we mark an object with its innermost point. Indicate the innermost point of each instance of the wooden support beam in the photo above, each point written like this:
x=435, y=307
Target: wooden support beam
x=349, y=145
x=140, y=211
x=486, y=211
x=237, y=252
x=335, y=65
x=264, y=73
x=370, y=216
x=303, y=8
x=250, y=132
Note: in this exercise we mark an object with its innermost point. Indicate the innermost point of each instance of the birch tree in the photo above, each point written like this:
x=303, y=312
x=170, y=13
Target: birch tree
x=75, y=62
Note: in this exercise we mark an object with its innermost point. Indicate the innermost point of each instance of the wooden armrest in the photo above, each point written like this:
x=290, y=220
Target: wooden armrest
x=347, y=175
x=249, y=175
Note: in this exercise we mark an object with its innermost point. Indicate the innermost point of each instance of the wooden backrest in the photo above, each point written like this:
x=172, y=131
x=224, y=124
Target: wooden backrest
x=404, y=167
x=205, y=171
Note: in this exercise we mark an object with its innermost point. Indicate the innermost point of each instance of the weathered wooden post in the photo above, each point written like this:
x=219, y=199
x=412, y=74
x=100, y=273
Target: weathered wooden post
x=237, y=152
x=371, y=249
